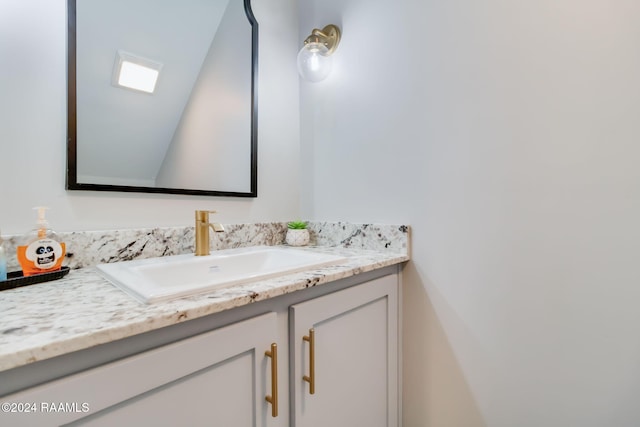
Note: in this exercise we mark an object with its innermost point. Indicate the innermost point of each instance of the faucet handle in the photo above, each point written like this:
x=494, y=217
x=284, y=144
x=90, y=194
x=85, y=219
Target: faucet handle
x=203, y=215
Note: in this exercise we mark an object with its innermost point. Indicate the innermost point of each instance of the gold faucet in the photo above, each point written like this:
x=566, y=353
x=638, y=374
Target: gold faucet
x=202, y=232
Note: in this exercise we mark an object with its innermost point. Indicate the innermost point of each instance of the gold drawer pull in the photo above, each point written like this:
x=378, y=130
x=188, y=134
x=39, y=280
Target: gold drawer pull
x=273, y=398
x=311, y=378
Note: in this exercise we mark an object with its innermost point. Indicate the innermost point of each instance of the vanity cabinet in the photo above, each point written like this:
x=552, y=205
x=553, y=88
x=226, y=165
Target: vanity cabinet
x=345, y=357
x=216, y=378
x=341, y=338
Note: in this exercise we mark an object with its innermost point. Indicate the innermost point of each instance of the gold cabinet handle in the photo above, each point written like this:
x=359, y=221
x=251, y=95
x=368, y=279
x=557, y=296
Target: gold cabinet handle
x=311, y=378
x=273, y=398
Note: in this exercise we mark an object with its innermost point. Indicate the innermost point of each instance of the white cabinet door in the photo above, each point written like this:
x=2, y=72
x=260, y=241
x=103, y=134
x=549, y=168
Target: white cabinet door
x=355, y=357
x=218, y=378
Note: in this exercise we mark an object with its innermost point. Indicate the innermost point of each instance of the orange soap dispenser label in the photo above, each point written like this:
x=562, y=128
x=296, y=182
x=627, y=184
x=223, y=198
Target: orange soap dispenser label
x=41, y=256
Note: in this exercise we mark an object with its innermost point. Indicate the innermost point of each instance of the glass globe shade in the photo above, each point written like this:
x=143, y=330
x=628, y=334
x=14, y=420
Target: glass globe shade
x=314, y=62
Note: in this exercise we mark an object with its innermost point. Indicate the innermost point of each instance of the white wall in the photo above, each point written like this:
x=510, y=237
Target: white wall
x=506, y=133
x=33, y=131
x=211, y=143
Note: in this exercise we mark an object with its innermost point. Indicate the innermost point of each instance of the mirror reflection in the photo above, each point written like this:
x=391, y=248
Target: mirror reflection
x=192, y=130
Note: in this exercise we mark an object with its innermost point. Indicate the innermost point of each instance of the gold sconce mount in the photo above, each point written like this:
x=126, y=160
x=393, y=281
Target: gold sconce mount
x=329, y=36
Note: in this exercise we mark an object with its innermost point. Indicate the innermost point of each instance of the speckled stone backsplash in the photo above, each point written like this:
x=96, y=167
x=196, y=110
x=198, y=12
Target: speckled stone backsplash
x=88, y=248
x=360, y=236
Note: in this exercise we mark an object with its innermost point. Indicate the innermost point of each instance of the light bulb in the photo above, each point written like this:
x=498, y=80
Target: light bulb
x=314, y=62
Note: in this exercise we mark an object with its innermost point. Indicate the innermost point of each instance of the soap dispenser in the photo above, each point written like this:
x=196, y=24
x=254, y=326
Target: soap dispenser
x=42, y=251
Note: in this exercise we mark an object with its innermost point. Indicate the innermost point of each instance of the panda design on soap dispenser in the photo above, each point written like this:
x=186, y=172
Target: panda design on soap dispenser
x=44, y=253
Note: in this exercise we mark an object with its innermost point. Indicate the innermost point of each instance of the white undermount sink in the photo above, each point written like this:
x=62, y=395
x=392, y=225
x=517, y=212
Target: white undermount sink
x=156, y=279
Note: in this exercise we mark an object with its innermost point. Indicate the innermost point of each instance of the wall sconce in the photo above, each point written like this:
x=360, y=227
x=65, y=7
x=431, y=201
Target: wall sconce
x=314, y=59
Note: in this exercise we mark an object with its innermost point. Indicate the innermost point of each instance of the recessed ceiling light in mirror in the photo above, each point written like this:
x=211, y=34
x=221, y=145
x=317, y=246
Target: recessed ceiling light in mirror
x=134, y=72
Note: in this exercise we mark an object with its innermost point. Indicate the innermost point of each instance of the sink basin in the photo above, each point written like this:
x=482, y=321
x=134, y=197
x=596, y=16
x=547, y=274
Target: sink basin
x=156, y=279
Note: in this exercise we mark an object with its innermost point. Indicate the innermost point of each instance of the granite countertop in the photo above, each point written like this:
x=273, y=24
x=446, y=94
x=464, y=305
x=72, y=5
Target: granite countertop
x=83, y=309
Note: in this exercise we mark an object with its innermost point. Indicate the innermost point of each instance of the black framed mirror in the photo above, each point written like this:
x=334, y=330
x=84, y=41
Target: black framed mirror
x=196, y=133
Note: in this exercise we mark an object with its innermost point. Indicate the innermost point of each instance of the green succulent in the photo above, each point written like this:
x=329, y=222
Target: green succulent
x=297, y=225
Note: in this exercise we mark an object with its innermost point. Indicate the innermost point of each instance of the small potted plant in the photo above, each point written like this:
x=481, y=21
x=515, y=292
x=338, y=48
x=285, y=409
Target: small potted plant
x=297, y=233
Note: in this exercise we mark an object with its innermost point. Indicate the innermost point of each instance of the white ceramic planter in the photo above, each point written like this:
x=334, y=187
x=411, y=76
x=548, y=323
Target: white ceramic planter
x=297, y=237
